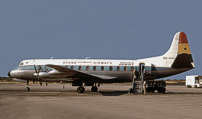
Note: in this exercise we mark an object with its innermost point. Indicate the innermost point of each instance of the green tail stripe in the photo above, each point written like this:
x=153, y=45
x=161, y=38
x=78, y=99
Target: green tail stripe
x=190, y=57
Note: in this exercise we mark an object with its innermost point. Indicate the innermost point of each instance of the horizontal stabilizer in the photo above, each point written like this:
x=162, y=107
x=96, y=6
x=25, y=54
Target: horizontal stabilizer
x=182, y=61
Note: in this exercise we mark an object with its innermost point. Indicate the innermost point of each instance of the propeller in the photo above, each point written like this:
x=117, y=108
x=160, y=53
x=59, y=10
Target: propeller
x=37, y=72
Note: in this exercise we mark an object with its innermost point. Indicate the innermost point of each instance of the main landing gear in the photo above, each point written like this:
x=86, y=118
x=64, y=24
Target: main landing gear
x=94, y=89
x=81, y=88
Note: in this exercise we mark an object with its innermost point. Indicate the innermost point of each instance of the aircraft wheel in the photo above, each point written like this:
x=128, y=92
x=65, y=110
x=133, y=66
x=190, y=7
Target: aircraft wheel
x=27, y=89
x=94, y=89
x=80, y=89
x=130, y=90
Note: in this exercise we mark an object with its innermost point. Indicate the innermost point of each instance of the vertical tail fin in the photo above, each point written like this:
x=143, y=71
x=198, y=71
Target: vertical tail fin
x=178, y=47
x=173, y=51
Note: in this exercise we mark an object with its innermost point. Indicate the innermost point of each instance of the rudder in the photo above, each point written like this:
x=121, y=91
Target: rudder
x=184, y=46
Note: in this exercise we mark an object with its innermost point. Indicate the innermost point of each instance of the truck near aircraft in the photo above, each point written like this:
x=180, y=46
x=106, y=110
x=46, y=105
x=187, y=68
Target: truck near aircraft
x=194, y=81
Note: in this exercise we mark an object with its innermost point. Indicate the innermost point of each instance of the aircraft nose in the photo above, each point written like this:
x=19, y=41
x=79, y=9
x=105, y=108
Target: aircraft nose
x=9, y=74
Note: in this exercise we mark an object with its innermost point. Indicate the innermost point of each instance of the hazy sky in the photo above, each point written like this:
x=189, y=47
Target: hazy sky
x=105, y=29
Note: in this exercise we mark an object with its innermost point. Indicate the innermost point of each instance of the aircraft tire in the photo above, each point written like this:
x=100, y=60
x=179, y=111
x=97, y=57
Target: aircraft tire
x=130, y=91
x=27, y=89
x=80, y=89
x=94, y=89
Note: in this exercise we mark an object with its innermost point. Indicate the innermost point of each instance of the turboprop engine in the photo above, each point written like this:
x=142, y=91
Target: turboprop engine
x=42, y=74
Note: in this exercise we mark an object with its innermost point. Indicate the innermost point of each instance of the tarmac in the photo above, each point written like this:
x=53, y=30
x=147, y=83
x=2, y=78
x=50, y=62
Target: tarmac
x=111, y=101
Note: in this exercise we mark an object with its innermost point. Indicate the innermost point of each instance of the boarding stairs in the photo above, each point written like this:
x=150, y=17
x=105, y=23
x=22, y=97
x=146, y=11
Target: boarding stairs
x=138, y=79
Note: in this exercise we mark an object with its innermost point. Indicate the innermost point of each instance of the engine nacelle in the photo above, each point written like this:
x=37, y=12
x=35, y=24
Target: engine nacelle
x=55, y=73
x=19, y=80
x=43, y=75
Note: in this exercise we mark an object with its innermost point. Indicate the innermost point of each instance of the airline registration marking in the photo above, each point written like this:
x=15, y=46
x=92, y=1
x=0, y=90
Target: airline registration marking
x=168, y=58
x=126, y=63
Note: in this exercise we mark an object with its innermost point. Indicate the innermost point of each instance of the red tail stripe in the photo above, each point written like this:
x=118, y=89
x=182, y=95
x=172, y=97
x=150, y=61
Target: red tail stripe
x=183, y=38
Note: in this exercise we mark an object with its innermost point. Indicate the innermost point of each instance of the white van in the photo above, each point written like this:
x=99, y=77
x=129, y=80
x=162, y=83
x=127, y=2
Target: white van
x=194, y=81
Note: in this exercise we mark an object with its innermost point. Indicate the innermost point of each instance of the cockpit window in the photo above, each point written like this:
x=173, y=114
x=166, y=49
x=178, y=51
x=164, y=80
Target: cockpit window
x=21, y=64
x=24, y=68
x=42, y=68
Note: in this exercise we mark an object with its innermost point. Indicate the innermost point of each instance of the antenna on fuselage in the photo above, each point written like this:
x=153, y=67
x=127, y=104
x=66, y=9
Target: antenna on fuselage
x=87, y=58
x=51, y=57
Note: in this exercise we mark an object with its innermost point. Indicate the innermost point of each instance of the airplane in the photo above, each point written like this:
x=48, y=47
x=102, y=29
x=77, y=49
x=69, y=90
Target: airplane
x=93, y=72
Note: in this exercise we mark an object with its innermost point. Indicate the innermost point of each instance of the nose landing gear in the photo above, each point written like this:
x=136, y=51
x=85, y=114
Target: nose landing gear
x=27, y=89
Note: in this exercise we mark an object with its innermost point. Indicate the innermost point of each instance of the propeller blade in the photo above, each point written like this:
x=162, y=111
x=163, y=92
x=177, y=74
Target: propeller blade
x=37, y=72
x=39, y=68
x=35, y=68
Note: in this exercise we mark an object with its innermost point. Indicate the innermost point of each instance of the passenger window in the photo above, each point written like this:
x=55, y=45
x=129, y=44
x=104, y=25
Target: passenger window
x=132, y=68
x=110, y=68
x=94, y=68
x=125, y=68
x=79, y=68
x=102, y=68
x=87, y=68
x=118, y=68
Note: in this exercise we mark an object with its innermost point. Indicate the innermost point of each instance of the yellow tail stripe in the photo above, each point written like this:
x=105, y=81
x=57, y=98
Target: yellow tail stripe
x=184, y=48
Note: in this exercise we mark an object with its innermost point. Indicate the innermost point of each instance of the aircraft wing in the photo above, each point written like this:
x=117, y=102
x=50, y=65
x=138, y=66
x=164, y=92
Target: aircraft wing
x=77, y=74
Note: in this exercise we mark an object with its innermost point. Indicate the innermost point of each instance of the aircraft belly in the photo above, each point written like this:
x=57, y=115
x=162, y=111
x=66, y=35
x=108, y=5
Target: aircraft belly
x=165, y=73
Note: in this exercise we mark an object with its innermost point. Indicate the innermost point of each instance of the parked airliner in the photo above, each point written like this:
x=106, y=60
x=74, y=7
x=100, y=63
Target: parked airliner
x=92, y=72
